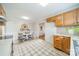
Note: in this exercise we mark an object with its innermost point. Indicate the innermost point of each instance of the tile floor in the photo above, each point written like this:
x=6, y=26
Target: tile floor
x=35, y=47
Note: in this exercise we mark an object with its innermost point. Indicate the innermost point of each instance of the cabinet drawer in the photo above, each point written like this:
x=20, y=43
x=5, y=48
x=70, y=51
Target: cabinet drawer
x=58, y=46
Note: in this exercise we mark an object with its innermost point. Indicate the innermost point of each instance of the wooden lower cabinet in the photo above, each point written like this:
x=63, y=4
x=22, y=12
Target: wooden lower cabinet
x=66, y=45
x=62, y=43
x=57, y=42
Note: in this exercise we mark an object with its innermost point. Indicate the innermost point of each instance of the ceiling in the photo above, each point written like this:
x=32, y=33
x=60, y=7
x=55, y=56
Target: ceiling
x=34, y=11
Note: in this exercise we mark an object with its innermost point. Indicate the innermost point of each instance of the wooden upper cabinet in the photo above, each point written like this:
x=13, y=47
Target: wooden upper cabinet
x=59, y=20
x=69, y=18
x=51, y=19
x=77, y=16
x=2, y=12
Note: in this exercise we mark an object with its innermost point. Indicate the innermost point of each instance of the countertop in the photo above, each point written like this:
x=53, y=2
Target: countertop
x=63, y=35
x=5, y=47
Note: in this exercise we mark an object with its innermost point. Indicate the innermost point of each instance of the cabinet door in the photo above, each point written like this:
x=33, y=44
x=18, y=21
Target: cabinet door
x=66, y=45
x=77, y=16
x=57, y=42
x=59, y=20
x=70, y=18
x=2, y=12
x=51, y=19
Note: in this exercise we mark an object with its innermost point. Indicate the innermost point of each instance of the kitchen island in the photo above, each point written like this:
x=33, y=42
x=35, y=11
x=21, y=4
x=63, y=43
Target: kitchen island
x=5, y=47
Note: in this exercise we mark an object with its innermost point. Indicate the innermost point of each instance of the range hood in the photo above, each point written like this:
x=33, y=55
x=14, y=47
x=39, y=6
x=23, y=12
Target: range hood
x=2, y=18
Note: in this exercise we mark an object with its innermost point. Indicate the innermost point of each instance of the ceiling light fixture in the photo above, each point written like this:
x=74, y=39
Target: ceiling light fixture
x=24, y=17
x=44, y=4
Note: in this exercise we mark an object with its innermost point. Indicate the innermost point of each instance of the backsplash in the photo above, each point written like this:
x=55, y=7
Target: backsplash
x=75, y=30
x=71, y=30
x=6, y=37
x=62, y=30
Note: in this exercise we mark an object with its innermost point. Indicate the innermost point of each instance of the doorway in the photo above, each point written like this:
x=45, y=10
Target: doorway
x=42, y=33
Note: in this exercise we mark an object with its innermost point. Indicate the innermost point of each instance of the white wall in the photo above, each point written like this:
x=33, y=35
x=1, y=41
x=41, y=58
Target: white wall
x=49, y=30
x=10, y=26
x=36, y=27
x=36, y=30
x=13, y=27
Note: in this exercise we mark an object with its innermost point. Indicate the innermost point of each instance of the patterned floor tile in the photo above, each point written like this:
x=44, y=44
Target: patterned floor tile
x=35, y=47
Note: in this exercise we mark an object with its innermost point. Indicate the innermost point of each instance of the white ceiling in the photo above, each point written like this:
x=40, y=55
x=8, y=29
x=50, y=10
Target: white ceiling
x=34, y=10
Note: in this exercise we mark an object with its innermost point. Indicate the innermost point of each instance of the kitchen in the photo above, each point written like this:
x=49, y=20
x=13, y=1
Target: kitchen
x=67, y=26
x=59, y=29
